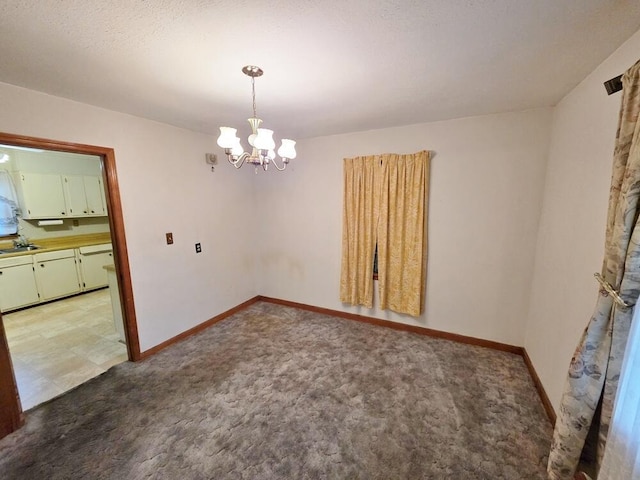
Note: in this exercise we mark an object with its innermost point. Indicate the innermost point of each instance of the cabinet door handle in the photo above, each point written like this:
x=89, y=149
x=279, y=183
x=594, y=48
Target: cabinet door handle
x=63, y=213
x=42, y=265
x=0, y=272
x=84, y=211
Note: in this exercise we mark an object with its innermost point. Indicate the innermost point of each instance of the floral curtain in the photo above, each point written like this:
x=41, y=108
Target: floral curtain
x=592, y=380
x=385, y=204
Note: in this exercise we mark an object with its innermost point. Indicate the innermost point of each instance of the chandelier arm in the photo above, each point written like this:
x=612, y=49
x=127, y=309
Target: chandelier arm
x=238, y=162
x=284, y=164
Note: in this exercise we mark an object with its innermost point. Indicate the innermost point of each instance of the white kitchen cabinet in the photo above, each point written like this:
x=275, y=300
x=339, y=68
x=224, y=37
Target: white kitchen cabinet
x=41, y=195
x=84, y=195
x=94, y=191
x=92, y=260
x=103, y=197
x=17, y=283
x=74, y=195
x=56, y=274
x=39, y=277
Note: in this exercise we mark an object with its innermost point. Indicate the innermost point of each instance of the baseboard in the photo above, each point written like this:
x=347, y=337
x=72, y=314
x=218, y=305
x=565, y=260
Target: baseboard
x=197, y=328
x=546, y=403
x=400, y=326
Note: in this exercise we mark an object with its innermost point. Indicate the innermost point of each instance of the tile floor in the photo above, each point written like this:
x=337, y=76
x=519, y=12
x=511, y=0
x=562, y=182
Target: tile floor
x=59, y=345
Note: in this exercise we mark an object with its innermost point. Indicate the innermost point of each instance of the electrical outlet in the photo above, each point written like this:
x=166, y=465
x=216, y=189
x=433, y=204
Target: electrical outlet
x=169, y=238
x=198, y=248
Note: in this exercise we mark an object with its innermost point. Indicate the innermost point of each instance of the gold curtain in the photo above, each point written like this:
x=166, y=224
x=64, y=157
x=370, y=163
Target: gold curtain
x=402, y=240
x=385, y=202
x=359, y=222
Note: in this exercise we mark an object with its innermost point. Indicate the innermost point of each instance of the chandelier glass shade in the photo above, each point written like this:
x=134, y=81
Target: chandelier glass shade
x=261, y=140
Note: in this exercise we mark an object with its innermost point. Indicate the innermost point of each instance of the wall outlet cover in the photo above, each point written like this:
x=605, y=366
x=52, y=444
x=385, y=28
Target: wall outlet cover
x=198, y=248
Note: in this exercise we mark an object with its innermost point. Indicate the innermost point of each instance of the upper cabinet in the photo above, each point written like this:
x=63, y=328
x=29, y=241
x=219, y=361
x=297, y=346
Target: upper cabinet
x=41, y=195
x=53, y=185
x=47, y=195
x=94, y=190
x=84, y=195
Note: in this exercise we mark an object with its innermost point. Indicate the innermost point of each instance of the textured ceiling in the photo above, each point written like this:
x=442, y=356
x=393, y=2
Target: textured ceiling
x=331, y=66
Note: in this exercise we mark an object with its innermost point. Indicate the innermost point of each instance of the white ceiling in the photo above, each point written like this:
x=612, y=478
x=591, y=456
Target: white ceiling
x=331, y=66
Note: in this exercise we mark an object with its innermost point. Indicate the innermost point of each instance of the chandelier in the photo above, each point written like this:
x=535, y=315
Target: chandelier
x=260, y=140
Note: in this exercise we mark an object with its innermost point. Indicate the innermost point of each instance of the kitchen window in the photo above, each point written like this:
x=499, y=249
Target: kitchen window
x=9, y=209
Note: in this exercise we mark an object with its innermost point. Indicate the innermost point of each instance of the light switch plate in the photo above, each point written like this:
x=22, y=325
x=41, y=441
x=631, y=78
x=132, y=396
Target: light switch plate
x=198, y=248
x=169, y=238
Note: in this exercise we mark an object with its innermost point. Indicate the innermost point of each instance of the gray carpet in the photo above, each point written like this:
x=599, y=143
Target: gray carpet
x=276, y=392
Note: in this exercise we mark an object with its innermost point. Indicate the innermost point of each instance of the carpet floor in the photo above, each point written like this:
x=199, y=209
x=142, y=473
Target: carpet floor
x=274, y=392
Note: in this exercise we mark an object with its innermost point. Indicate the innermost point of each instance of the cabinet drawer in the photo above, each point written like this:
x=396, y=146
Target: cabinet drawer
x=56, y=255
x=90, y=249
x=15, y=261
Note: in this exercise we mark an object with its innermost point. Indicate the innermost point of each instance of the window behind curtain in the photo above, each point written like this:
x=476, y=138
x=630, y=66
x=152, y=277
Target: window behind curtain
x=9, y=209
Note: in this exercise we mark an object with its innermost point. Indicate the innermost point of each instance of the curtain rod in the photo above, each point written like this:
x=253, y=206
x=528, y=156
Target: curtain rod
x=614, y=85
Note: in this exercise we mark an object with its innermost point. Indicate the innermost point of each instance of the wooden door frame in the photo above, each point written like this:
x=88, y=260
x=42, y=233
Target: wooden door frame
x=11, y=417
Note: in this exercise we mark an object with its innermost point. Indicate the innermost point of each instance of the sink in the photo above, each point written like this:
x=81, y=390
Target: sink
x=24, y=248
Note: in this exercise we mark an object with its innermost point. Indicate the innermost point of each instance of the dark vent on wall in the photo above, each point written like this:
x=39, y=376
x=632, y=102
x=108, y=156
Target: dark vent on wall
x=614, y=85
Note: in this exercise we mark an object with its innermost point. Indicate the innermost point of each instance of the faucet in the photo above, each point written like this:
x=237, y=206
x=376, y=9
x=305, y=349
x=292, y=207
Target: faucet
x=21, y=241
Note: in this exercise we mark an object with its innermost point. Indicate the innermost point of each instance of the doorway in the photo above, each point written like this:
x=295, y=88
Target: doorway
x=11, y=416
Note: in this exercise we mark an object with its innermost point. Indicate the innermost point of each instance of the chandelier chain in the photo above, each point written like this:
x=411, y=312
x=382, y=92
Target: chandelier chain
x=253, y=91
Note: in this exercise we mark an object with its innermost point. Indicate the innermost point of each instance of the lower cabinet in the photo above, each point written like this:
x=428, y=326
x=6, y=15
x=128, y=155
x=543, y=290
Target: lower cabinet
x=92, y=260
x=39, y=277
x=56, y=274
x=17, y=283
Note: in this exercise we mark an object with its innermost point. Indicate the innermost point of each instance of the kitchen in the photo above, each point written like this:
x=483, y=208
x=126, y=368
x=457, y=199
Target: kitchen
x=60, y=305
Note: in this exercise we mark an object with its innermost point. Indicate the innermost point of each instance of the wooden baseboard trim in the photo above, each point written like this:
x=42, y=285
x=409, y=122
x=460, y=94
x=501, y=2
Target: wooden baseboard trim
x=197, y=328
x=400, y=326
x=546, y=403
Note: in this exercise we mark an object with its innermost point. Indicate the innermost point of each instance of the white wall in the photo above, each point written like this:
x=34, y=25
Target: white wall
x=486, y=190
x=572, y=226
x=165, y=186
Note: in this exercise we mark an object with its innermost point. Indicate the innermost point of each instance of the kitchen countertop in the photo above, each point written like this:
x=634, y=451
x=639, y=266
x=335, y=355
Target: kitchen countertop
x=58, y=243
